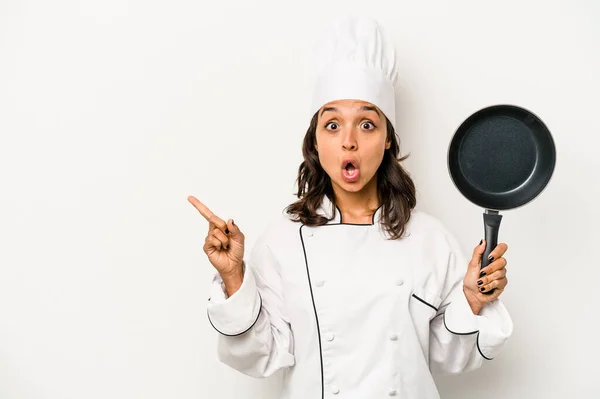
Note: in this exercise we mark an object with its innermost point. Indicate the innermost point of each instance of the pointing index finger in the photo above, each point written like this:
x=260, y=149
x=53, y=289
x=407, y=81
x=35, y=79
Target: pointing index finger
x=203, y=209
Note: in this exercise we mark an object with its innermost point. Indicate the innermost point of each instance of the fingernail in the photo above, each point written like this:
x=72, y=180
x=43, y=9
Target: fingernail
x=480, y=242
x=482, y=273
x=227, y=246
x=491, y=258
x=226, y=231
x=232, y=222
x=482, y=289
x=480, y=282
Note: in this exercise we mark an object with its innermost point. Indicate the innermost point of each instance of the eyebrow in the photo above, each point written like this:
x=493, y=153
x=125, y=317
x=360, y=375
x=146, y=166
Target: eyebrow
x=369, y=108
x=331, y=109
x=364, y=108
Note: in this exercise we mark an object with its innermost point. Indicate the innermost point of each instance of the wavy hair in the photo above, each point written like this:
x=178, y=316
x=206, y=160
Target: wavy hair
x=395, y=188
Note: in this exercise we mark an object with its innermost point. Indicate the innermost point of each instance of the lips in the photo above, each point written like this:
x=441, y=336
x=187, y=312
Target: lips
x=350, y=170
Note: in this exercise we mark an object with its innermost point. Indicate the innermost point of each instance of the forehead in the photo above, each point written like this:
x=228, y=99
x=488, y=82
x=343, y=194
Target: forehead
x=349, y=106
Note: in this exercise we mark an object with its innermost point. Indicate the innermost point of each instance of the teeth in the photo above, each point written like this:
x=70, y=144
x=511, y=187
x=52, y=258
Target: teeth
x=350, y=169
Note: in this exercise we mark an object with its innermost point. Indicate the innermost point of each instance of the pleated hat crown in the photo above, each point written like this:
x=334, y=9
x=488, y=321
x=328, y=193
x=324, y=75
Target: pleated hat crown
x=354, y=59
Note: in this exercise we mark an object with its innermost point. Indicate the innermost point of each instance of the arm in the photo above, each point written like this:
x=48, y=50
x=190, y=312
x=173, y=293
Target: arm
x=254, y=334
x=246, y=306
x=463, y=334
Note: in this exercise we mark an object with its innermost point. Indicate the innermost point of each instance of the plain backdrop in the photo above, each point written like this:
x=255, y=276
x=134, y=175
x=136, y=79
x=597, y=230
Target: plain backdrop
x=113, y=112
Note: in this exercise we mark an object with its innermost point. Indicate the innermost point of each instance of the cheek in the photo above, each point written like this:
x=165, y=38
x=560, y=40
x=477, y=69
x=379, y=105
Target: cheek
x=375, y=156
x=325, y=151
x=326, y=157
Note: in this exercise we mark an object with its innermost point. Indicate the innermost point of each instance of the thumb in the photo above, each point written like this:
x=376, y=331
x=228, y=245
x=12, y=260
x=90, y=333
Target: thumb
x=234, y=231
x=475, y=262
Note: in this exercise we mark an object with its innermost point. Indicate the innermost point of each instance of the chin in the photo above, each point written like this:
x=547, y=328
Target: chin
x=354, y=187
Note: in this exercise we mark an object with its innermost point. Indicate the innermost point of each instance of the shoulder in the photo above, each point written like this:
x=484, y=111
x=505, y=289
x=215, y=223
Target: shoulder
x=278, y=229
x=422, y=222
x=429, y=228
x=438, y=246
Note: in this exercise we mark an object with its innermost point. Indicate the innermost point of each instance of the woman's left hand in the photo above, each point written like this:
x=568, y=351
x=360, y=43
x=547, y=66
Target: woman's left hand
x=493, y=276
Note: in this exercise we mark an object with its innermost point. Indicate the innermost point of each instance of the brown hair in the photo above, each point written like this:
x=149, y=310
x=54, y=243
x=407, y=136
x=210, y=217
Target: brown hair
x=395, y=188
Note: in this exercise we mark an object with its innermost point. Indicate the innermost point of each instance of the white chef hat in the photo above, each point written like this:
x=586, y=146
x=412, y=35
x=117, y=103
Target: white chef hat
x=354, y=59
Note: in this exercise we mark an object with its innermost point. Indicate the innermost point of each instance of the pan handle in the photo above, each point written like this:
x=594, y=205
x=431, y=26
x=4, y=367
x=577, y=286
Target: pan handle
x=491, y=223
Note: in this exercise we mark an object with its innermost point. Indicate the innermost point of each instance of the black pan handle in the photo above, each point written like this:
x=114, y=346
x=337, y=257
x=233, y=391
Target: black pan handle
x=491, y=223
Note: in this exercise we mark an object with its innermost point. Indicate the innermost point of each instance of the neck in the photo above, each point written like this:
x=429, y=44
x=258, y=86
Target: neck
x=357, y=207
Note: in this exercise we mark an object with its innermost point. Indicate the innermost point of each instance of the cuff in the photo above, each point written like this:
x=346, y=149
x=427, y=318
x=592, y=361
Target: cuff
x=493, y=325
x=236, y=314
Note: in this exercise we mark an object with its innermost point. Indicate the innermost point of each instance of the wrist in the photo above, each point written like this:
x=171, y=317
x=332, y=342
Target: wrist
x=233, y=280
x=475, y=305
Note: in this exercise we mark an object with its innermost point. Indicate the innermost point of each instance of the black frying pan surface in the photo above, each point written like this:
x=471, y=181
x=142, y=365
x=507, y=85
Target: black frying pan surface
x=501, y=157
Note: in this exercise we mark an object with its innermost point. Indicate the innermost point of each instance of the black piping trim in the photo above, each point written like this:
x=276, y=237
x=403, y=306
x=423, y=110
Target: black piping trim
x=346, y=224
x=243, y=332
x=355, y=224
x=315, y=309
x=339, y=213
x=469, y=333
x=457, y=333
x=479, y=349
x=425, y=302
x=375, y=213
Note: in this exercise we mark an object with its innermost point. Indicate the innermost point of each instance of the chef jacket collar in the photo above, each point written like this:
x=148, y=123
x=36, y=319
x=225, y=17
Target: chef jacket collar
x=331, y=211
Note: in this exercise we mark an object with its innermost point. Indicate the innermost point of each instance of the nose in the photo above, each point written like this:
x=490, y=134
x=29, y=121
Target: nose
x=349, y=142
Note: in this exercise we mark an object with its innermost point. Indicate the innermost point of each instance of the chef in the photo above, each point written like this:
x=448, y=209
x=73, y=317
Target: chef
x=353, y=293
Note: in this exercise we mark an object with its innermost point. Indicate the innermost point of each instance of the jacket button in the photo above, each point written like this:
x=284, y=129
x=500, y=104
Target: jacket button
x=399, y=283
x=393, y=337
x=330, y=336
x=335, y=390
x=392, y=392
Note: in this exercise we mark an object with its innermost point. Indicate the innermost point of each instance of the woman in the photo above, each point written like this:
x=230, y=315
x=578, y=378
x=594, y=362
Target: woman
x=353, y=292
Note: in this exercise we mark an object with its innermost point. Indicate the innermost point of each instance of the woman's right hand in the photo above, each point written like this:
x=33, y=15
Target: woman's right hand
x=224, y=246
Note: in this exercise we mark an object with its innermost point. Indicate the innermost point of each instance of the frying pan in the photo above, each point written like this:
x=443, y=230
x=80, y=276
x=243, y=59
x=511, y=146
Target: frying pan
x=501, y=157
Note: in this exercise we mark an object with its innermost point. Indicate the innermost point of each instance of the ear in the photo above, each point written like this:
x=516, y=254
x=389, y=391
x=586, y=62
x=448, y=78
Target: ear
x=388, y=144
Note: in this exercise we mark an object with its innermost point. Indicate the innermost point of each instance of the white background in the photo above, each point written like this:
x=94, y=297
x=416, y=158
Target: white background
x=113, y=112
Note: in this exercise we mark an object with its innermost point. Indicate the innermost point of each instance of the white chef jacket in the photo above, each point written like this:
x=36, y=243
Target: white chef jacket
x=346, y=312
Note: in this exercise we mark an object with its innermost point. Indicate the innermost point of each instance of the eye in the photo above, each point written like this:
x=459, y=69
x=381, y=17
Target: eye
x=368, y=125
x=331, y=126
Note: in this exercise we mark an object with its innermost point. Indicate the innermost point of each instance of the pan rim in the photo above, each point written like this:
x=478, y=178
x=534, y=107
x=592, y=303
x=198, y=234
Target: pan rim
x=546, y=177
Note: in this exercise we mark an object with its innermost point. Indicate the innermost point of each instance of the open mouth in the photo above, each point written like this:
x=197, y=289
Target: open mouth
x=350, y=167
x=350, y=170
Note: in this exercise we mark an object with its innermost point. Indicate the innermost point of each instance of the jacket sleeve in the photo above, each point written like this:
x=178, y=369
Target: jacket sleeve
x=254, y=335
x=460, y=340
